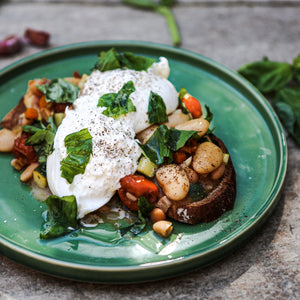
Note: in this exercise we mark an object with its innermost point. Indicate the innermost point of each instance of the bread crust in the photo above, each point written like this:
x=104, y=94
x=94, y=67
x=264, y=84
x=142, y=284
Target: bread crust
x=218, y=201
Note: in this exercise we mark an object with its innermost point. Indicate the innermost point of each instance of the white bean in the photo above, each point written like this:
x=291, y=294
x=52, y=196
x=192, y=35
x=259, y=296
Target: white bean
x=201, y=125
x=207, y=158
x=176, y=118
x=174, y=181
x=7, y=139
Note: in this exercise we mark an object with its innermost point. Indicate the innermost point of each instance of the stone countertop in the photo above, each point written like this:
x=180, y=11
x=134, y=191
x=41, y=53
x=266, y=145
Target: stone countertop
x=232, y=33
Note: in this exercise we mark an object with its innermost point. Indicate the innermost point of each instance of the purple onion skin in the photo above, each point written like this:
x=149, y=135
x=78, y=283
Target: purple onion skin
x=10, y=45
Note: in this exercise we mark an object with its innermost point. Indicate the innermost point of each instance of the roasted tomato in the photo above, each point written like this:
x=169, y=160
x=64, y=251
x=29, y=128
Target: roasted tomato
x=20, y=150
x=60, y=107
x=135, y=186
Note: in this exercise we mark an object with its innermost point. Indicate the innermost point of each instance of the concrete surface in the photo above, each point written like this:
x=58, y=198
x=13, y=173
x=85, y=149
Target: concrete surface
x=232, y=33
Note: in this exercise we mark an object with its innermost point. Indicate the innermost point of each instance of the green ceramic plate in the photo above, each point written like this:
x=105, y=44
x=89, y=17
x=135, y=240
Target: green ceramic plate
x=243, y=120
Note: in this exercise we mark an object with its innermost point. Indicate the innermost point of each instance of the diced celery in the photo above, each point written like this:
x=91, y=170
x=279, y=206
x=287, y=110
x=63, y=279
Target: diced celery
x=146, y=166
x=225, y=158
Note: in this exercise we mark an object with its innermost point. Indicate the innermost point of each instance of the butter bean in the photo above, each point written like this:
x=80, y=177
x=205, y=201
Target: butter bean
x=199, y=124
x=218, y=173
x=7, y=139
x=174, y=181
x=207, y=158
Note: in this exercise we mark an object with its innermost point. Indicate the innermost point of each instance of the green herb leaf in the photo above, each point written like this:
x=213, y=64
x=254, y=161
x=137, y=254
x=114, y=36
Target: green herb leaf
x=267, y=76
x=118, y=103
x=287, y=106
x=181, y=95
x=60, y=91
x=196, y=191
x=111, y=60
x=209, y=115
x=42, y=140
x=157, y=111
x=156, y=148
x=79, y=149
x=163, y=141
x=144, y=209
x=61, y=216
x=178, y=138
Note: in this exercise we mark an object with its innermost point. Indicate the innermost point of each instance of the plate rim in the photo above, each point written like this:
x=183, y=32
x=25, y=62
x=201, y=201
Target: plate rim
x=233, y=239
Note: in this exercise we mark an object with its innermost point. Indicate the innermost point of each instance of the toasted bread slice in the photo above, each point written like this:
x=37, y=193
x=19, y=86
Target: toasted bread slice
x=219, y=200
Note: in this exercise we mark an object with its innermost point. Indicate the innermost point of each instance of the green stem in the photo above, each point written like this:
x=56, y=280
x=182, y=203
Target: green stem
x=174, y=31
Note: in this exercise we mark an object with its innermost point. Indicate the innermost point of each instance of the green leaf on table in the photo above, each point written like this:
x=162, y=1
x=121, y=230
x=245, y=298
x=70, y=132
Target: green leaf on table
x=61, y=217
x=118, y=103
x=157, y=111
x=112, y=59
x=267, y=76
x=79, y=149
x=296, y=68
x=60, y=91
x=287, y=106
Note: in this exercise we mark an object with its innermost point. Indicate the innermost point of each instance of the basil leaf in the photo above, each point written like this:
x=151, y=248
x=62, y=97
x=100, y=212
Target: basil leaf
x=287, y=106
x=144, y=207
x=267, y=76
x=156, y=148
x=111, y=60
x=157, y=111
x=79, y=149
x=163, y=141
x=108, y=60
x=209, y=115
x=42, y=140
x=118, y=103
x=61, y=216
x=178, y=138
x=59, y=90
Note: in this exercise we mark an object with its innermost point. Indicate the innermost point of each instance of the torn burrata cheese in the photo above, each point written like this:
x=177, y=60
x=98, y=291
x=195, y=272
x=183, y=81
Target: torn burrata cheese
x=115, y=150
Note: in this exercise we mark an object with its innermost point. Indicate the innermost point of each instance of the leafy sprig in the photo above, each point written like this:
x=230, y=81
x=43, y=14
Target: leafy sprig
x=280, y=82
x=162, y=7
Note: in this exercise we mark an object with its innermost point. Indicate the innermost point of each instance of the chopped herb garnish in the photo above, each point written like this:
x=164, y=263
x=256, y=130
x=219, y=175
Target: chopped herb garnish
x=42, y=140
x=79, y=149
x=118, y=103
x=157, y=111
x=61, y=216
x=196, y=191
x=163, y=141
x=181, y=95
x=112, y=59
x=60, y=91
x=144, y=209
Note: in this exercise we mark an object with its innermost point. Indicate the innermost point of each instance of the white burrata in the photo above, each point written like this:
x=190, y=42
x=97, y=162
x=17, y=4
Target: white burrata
x=115, y=150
